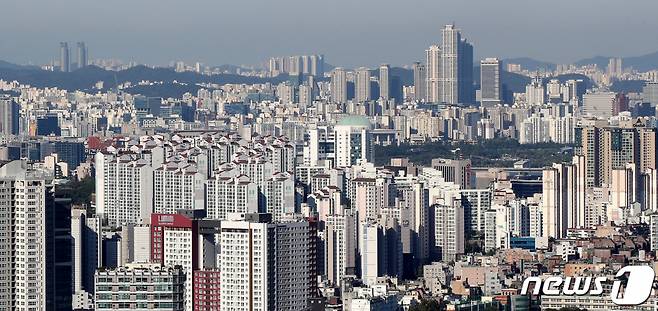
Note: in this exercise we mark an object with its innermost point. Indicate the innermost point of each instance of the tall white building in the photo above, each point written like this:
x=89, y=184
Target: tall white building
x=27, y=263
x=230, y=194
x=449, y=229
x=535, y=93
x=124, y=189
x=433, y=73
x=563, y=198
x=339, y=247
x=177, y=185
x=265, y=266
x=385, y=82
x=353, y=141
x=279, y=193
x=448, y=83
x=87, y=254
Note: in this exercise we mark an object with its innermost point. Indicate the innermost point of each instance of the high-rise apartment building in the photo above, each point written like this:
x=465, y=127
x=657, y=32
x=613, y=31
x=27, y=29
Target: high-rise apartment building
x=177, y=185
x=36, y=273
x=186, y=240
x=456, y=69
x=9, y=116
x=448, y=229
x=535, y=93
x=230, y=194
x=362, y=89
x=83, y=59
x=433, y=74
x=563, y=198
x=385, y=82
x=339, y=86
x=266, y=266
x=64, y=57
x=87, y=236
x=124, y=189
x=615, y=69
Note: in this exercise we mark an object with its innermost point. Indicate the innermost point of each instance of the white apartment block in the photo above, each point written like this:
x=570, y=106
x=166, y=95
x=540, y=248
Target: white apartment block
x=227, y=194
x=124, y=189
x=24, y=198
x=449, y=229
x=177, y=185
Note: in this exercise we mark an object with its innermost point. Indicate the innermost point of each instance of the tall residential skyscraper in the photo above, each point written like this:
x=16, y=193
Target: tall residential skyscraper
x=534, y=92
x=265, y=265
x=563, y=193
x=449, y=74
x=490, y=84
x=64, y=57
x=362, y=85
x=456, y=69
x=124, y=189
x=420, y=83
x=384, y=82
x=433, y=74
x=36, y=246
x=615, y=68
x=9, y=117
x=339, y=86
x=82, y=55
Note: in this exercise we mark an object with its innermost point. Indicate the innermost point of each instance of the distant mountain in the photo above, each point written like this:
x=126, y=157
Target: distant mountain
x=530, y=63
x=599, y=61
x=86, y=78
x=516, y=82
x=8, y=65
x=641, y=63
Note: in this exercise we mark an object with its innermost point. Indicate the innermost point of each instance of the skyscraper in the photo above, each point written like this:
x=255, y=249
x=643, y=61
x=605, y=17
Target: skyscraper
x=465, y=77
x=384, y=82
x=9, y=117
x=449, y=73
x=339, y=86
x=433, y=74
x=362, y=85
x=615, y=68
x=33, y=272
x=266, y=266
x=64, y=57
x=490, y=85
x=82, y=55
x=456, y=68
x=420, y=83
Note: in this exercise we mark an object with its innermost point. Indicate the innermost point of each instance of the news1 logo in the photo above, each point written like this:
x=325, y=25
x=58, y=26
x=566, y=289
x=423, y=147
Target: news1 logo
x=639, y=282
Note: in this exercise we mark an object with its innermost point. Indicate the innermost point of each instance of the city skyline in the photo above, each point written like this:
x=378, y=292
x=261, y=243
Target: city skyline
x=212, y=36
x=319, y=175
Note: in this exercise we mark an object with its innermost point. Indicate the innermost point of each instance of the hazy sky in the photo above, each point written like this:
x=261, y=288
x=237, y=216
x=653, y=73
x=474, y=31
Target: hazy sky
x=348, y=32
